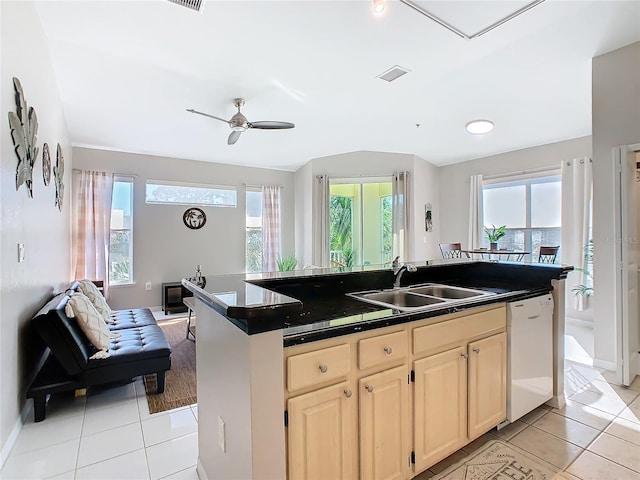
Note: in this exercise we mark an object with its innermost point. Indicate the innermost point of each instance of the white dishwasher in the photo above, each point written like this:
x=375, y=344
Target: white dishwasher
x=530, y=355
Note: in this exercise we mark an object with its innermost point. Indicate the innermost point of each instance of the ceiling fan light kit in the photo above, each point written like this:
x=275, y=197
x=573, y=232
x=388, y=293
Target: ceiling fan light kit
x=239, y=122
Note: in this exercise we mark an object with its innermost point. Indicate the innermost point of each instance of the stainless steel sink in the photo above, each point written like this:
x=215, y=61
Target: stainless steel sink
x=420, y=297
x=400, y=299
x=445, y=291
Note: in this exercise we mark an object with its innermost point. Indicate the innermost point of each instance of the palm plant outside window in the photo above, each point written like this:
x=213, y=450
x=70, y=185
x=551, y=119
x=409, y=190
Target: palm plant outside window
x=360, y=223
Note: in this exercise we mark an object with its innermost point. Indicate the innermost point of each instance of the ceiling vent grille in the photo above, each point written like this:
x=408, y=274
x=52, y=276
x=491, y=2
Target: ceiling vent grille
x=192, y=4
x=393, y=73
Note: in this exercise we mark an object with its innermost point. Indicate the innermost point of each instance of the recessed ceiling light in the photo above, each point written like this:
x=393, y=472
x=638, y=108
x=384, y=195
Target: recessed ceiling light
x=378, y=7
x=479, y=127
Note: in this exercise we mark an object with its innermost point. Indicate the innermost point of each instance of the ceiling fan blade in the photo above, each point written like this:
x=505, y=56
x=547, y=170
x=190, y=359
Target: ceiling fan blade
x=269, y=125
x=233, y=138
x=207, y=115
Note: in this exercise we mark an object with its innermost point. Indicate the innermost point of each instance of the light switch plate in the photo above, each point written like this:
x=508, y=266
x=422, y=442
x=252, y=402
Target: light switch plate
x=21, y=252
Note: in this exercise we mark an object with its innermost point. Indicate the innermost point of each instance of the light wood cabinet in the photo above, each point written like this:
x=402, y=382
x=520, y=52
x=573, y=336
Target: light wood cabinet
x=322, y=442
x=378, y=417
x=440, y=406
x=487, y=383
x=384, y=425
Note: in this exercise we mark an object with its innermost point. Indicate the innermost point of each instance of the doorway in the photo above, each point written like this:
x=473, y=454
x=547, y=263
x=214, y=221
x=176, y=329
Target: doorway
x=360, y=222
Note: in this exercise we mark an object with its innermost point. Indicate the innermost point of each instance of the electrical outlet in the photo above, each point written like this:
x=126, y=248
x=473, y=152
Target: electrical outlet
x=221, y=439
x=147, y=286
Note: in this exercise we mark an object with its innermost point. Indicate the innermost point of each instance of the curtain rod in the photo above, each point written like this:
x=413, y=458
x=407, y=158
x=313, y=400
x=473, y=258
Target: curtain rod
x=521, y=172
x=135, y=175
x=260, y=186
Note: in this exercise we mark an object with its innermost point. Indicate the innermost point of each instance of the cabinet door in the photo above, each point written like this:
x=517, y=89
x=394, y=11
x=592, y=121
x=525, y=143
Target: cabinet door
x=322, y=438
x=487, y=384
x=440, y=406
x=384, y=425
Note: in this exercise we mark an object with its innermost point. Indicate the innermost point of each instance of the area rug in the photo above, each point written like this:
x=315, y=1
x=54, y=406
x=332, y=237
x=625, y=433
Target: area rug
x=180, y=380
x=497, y=461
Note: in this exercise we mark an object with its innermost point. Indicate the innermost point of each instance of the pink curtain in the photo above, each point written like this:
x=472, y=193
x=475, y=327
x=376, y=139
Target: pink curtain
x=92, y=193
x=271, y=237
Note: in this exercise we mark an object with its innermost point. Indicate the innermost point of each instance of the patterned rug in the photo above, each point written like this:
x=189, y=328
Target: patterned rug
x=498, y=461
x=180, y=381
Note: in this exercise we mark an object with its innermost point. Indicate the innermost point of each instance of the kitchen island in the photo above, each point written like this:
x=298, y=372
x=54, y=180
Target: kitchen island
x=270, y=343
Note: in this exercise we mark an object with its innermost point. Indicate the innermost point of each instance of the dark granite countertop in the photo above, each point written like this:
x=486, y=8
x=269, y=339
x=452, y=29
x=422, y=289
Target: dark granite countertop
x=311, y=305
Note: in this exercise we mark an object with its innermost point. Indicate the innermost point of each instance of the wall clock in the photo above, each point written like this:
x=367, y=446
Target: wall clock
x=194, y=218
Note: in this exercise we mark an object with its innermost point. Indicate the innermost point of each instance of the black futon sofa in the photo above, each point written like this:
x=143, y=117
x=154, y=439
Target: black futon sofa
x=140, y=349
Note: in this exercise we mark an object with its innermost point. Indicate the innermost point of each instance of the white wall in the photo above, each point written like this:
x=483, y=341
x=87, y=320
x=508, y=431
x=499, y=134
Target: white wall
x=36, y=222
x=164, y=250
x=454, y=179
x=426, y=189
x=367, y=164
x=616, y=122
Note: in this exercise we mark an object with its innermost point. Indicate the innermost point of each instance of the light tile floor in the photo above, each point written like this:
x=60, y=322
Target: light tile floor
x=110, y=434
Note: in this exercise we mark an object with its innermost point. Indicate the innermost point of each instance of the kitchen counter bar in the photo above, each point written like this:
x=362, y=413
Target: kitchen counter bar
x=311, y=305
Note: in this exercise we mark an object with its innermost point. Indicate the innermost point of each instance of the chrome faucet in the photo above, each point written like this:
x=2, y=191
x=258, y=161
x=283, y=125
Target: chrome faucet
x=399, y=270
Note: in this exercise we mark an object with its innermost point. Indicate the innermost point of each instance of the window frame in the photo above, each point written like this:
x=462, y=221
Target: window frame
x=130, y=179
x=247, y=228
x=169, y=183
x=528, y=229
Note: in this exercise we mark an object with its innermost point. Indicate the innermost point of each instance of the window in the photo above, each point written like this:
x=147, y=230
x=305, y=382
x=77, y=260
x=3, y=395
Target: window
x=254, y=230
x=531, y=210
x=121, y=235
x=160, y=191
x=360, y=228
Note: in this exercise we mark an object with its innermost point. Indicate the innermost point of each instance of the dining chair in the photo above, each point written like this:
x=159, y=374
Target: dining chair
x=548, y=254
x=452, y=250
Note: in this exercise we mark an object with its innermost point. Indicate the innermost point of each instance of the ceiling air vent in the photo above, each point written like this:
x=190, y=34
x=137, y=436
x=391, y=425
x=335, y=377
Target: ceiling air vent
x=393, y=73
x=192, y=4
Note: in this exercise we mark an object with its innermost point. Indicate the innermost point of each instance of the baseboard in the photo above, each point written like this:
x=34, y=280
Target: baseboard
x=202, y=475
x=15, y=431
x=611, y=366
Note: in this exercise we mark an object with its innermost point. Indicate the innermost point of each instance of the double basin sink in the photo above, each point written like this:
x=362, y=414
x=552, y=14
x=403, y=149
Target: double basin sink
x=420, y=297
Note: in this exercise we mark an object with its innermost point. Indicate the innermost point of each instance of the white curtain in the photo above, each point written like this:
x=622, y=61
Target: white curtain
x=401, y=208
x=476, y=215
x=92, y=193
x=321, y=221
x=577, y=193
x=271, y=228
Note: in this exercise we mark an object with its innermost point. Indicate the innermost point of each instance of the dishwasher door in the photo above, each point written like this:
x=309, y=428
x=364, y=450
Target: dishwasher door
x=530, y=355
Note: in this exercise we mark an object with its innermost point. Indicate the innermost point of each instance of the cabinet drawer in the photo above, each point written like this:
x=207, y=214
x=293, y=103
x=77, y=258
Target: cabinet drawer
x=457, y=330
x=383, y=349
x=317, y=367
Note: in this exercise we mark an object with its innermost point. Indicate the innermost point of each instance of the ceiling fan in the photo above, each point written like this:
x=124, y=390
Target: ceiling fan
x=239, y=122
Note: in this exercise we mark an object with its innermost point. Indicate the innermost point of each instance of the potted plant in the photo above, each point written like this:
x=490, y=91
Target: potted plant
x=494, y=234
x=584, y=291
x=286, y=264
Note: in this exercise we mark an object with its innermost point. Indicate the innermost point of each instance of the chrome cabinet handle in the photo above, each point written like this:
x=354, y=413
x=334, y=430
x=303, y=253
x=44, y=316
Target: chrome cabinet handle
x=323, y=368
x=388, y=350
x=348, y=393
x=464, y=355
x=369, y=388
x=476, y=350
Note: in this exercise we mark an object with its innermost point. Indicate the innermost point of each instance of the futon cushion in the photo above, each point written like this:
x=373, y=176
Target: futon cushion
x=134, y=344
x=90, y=322
x=88, y=288
x=137, y=317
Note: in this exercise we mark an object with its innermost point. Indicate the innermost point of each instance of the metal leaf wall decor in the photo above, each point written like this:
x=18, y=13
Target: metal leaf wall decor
x=58, y=175
x=24, y=131
x=46, y=164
